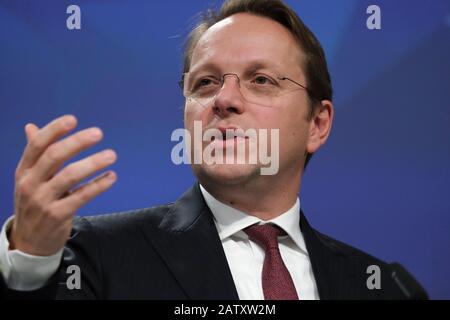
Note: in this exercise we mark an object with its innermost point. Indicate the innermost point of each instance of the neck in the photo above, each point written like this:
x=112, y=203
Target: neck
x=266, y=198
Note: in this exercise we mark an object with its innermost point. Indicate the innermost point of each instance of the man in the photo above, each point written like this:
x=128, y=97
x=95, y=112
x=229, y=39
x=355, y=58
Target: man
x=237, y=234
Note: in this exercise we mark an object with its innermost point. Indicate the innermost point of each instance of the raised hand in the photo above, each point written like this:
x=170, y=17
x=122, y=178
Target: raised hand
x=45, y=200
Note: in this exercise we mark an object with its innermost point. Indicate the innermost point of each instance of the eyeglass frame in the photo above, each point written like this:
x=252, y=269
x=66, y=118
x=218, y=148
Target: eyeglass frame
x=281, y=78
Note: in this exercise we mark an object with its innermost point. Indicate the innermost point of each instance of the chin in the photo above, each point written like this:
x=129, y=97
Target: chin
x=226, y=174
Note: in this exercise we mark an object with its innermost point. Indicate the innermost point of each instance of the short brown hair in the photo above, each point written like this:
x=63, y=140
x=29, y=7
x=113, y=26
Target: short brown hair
x=317, y=76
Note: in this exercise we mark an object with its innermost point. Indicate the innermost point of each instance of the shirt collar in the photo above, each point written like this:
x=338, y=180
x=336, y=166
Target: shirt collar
x=230, y=221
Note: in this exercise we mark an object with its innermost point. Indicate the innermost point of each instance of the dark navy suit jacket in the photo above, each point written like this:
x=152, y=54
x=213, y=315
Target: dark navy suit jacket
x=174, y=252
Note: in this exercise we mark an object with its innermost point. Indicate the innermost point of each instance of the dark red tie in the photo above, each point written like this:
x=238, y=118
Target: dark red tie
x=276, y=280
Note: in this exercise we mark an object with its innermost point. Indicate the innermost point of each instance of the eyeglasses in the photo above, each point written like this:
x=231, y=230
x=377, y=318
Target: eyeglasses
x=260, y=89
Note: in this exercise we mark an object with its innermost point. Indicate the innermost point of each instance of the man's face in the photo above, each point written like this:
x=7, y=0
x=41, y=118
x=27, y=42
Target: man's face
x=236, y=45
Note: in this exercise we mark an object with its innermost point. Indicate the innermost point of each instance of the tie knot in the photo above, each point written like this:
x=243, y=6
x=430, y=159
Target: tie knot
x=265, y=235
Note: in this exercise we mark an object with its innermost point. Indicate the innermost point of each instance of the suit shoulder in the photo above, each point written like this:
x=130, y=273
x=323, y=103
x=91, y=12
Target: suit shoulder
x=345, y=250
x=123, y=221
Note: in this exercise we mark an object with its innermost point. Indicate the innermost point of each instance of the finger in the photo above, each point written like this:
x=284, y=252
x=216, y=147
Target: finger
x=44, y=137
x=61, y=151
x=86, y=192
x=30, y=131
x=76, y=172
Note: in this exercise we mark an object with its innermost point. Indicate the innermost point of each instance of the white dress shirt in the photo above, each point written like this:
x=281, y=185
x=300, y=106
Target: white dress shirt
x=246, y=258
x=25, y=272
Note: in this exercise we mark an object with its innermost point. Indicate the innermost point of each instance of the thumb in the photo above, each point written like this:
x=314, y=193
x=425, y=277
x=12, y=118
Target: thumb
x=30, y=131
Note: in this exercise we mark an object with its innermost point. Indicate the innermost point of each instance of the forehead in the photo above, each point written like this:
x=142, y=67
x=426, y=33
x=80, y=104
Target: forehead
x=243, y=38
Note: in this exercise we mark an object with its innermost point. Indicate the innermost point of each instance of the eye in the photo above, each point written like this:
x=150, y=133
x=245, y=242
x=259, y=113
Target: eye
x=262, y=80
x=205, y=82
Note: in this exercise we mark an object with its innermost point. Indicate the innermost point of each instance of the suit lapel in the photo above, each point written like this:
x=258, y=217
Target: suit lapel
x=188, y=242
x=333, y=270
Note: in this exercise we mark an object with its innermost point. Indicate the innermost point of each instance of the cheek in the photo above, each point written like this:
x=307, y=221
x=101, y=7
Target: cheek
x=194, y=113
x=290, y=126
x=288, y=120
x=264, y=118
x=188, y=117
x=293, y=128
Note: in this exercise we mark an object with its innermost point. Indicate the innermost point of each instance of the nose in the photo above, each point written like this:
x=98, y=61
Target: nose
x=229, y=99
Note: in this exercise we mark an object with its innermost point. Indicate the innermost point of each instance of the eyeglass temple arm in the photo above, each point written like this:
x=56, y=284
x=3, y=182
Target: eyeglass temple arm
x=300, y=85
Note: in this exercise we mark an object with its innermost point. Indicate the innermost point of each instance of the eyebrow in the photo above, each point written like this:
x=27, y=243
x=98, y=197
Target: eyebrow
x=250, y=67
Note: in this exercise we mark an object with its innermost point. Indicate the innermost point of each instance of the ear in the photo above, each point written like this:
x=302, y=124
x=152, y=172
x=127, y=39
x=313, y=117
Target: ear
x=320, y=126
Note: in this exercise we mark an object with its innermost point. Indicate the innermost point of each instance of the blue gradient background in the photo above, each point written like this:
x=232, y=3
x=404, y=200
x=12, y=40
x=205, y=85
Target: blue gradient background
x=382, y=181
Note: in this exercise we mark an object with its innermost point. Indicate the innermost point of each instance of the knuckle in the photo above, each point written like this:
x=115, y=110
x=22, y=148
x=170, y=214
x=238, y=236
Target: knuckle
x=79, y=138
x=70, y=175
x=84, y=195
x=37, y=202
x=96, y=160
x=54, y=213
x=53, y=154
x=24, y=187
x=88, y=192
x=36, y=144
